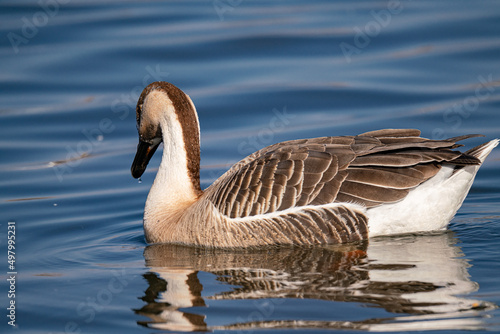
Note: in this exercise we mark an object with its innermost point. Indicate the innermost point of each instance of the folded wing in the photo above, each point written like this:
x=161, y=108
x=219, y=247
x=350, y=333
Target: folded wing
x=370, y=169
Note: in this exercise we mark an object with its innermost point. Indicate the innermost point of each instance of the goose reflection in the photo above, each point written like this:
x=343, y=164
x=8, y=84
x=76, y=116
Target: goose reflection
x=416, y=278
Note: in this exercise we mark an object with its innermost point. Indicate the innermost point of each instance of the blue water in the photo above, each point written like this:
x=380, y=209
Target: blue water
x=259, y=72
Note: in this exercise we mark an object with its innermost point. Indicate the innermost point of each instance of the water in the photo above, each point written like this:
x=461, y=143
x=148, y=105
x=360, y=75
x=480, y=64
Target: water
x=259, y=72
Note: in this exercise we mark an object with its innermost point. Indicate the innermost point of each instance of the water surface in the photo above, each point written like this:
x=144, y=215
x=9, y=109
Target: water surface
x=259, y=72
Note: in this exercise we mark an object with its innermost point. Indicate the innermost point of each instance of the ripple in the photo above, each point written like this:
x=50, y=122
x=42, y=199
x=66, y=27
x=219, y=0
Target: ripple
x=78, y=229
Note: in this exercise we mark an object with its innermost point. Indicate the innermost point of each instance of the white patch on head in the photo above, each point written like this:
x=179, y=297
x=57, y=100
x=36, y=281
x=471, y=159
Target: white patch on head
x=156, y=106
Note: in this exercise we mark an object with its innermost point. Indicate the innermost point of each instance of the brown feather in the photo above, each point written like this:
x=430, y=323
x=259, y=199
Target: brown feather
x=289, y=198
x=372, y=193
x=387, y=160
x=345, y=198
x=370, y=169
x=393, y=133
x=385, y=177
x=427, y=170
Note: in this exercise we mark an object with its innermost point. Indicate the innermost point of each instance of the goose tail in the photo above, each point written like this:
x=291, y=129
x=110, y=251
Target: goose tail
x=482, y=151
x=436, y=201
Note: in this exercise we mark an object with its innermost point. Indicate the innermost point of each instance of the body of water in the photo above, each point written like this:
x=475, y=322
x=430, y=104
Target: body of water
x=259, y=72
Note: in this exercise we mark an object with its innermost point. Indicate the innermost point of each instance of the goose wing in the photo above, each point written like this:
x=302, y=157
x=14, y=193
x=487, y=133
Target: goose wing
x=369, y=169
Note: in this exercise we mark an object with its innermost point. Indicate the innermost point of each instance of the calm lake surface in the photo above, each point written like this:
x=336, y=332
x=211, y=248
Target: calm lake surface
x=259, y=72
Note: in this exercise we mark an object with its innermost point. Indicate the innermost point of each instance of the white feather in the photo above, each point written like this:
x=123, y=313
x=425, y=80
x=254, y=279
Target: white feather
x=430, y=206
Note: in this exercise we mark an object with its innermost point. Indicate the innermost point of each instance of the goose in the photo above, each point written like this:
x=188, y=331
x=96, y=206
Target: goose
x=327, y=190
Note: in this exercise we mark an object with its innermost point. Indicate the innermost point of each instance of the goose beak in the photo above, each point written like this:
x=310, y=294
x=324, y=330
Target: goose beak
x=145, y=152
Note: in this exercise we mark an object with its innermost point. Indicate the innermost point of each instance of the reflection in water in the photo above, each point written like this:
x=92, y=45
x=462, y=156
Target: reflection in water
x=421, y=279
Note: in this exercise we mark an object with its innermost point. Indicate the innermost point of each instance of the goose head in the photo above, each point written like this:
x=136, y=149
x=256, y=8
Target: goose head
x=166, y=114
